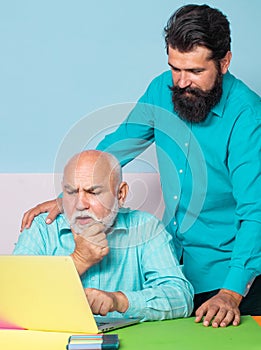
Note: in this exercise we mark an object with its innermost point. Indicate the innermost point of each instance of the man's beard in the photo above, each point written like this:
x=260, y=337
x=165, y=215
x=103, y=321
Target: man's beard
x=193, y=104
x=107, y=221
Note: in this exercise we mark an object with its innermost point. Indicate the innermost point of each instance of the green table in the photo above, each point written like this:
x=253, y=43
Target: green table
x=185, y=334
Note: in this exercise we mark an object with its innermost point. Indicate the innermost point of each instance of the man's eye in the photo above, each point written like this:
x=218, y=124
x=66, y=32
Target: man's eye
x=94, y=193
x=70, y=192
x=196, y=71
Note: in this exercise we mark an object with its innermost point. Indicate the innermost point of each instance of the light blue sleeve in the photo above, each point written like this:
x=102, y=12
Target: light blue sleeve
x=166, y=293
x=31, y=241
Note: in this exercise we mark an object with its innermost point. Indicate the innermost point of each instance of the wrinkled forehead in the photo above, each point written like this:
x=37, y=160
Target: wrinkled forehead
x=91, y=173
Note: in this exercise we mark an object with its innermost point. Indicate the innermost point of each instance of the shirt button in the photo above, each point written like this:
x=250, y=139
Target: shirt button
x=175, y=197
x=180, y=171
x=175, y=223
x=93, y=278
x=186, y=144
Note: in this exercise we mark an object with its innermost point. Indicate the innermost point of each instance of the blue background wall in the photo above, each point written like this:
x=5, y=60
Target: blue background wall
x=61, y=60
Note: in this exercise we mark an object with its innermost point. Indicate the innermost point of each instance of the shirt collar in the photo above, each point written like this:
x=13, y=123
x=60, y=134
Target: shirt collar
x=218, y=109
x=120, y=221
x=63, y=223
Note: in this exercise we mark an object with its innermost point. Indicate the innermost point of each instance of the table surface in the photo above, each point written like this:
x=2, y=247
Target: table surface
x=179, y=334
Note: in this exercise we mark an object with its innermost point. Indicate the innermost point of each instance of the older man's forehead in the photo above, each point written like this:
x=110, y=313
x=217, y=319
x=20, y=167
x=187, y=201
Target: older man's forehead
x=90, y=179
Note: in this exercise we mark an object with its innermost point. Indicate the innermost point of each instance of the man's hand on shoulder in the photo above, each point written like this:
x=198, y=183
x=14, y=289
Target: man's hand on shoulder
x=91, y=247
x=54, y=207
x=220, y=310
x=102, y=302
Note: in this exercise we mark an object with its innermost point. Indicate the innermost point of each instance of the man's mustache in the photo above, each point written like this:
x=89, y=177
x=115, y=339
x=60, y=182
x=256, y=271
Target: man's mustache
x=81, y=214
x=193, y=91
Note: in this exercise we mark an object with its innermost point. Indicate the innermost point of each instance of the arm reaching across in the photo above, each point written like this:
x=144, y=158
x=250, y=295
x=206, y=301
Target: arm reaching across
x=54, y=207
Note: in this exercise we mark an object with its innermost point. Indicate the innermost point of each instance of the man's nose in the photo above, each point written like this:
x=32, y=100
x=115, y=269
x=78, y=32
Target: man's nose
x=183, y=80
x=82, y=201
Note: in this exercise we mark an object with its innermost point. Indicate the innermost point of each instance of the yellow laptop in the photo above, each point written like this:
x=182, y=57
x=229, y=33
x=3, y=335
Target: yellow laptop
x=45, y=293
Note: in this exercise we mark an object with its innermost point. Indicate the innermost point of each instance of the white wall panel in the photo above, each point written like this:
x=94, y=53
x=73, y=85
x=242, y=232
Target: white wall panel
x=20, y=192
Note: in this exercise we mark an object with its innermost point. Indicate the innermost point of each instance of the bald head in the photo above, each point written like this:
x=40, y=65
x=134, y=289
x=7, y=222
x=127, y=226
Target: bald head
x=96, y=164
x=92, y=189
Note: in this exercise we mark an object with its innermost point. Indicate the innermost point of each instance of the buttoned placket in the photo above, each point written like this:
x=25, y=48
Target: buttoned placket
x=182, y=173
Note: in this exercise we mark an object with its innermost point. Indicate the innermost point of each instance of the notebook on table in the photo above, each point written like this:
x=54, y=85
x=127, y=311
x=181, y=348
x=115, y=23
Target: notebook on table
x=45, y=293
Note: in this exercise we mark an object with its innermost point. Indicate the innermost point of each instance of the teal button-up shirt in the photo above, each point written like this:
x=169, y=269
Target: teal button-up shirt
x=141, y=263
x=210, y=177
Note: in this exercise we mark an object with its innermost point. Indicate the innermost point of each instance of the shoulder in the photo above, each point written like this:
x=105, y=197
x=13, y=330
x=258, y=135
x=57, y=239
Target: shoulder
x=164, y=80
x=158, y=92
x=243, y=100
x=40, y=222
x=137, y=216
x=142, y=225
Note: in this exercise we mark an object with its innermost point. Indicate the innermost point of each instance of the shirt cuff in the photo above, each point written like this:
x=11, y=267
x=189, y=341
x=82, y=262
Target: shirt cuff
x=239, y=280
x=137, y=305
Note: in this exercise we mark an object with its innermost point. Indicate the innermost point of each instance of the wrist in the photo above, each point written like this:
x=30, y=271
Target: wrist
x=236, y=296
x=79, y=263
x=122, y=302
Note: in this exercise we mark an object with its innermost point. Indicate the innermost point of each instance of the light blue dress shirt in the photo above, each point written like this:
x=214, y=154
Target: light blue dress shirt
x=141, y=263
x=210, y=177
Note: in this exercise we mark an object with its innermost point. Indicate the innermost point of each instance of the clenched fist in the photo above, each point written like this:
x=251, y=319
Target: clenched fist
x=102, y=302
x=90, y=247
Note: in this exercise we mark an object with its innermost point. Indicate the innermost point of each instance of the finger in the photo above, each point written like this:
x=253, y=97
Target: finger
x=59, y=202
x=236, y=321
x=228, y=319
x=231, y=317
x=96, y=236
x=24, y=222
x=93, y=305
x=52, y=215
x=29, y=216
x=222, y=315
x=105, y=251
x=212, y=311
x=93, y=229
x=94, y=302
x=90, y=295
x=200, y=312
x=105, y=307
x=99, y=240
x=89, y=242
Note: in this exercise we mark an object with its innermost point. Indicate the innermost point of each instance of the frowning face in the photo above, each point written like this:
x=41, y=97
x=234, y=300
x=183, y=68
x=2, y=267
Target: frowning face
x=89, y=194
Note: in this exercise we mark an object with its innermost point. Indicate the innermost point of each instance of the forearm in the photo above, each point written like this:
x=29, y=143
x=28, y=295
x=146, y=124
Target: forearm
x=245, y=263
x=162, y=302
x=132, y=137
x=81, y=265
x=244, y=169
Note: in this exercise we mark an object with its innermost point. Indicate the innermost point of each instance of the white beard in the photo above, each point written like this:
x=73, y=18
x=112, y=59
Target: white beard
x=107, y=221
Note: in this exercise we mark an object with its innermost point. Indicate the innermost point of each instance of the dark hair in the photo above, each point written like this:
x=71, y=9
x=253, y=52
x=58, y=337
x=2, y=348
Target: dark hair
x=198, y=25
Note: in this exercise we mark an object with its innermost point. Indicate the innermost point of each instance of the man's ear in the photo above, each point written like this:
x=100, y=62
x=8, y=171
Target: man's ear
x=225, y=62
x=122, y=193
